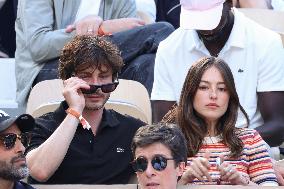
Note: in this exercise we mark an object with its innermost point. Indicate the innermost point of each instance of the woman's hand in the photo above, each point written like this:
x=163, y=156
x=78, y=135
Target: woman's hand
x=279, y=171
x=230, y=174
x=198, y=168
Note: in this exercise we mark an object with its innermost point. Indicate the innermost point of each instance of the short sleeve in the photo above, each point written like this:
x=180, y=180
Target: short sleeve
x=271, y=68
x=163, y=85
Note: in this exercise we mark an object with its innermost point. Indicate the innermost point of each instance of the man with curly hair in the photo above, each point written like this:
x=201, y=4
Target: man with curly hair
x=43, y=27
x=81, y=142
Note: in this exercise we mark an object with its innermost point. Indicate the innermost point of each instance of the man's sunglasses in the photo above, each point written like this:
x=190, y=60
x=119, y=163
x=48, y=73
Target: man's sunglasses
x=158, y=162
x=9, y=139
x=106, y=88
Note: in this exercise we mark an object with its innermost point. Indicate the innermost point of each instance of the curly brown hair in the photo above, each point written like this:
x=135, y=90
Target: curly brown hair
x=86, y=51
x=194, y=126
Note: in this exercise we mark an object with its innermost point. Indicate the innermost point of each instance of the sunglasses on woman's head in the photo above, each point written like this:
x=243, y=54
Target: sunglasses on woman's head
x=9, y=139
x=158, y=162
x=106, y=88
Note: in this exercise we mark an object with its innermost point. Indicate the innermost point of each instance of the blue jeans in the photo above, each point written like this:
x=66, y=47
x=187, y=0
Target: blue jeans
x=138, y=48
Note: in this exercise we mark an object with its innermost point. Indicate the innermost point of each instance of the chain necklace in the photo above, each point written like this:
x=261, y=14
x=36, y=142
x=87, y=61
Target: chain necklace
x=212, y=139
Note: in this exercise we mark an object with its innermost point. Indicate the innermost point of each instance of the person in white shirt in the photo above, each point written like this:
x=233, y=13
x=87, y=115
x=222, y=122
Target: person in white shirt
x=277, y=5
x=220, y=31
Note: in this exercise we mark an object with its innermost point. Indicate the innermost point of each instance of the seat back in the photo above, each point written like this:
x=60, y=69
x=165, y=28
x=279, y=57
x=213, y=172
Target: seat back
x=129, y=98
x=44, y=94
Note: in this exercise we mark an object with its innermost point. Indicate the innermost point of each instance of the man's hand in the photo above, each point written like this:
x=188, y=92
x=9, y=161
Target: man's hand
x=121, y=24
x=279, y=171
x=73, y=95
x=88, y=25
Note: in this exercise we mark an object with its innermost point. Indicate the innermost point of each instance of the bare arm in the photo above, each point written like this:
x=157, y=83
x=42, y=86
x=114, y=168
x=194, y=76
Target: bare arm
x=160, y=108
x=121, y=24
x=41, y=165
x=90, y=25
x=120, y=18
x=262, y=4
x=271, y=108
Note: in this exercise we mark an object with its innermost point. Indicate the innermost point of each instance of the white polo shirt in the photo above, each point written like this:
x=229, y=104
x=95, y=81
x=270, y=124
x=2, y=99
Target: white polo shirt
x=254, y=54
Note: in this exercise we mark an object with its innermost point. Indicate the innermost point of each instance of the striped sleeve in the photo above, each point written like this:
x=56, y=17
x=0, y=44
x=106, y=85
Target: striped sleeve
x=260, y=165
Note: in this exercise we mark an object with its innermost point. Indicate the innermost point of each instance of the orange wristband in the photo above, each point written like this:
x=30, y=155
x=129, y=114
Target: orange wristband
x=101, y=32
x=82, y=120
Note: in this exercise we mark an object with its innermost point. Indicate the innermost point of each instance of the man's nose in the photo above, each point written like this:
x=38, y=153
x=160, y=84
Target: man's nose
x=150, y=171
x=19, y=147
x=93, y=80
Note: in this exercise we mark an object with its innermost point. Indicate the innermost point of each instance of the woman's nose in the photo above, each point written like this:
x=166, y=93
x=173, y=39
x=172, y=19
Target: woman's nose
x=213, y=94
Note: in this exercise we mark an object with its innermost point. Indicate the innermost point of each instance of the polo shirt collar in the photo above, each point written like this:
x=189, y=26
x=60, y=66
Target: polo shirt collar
x=238, y=33
x=109, y=119
x=196, y=43
x=236, y=39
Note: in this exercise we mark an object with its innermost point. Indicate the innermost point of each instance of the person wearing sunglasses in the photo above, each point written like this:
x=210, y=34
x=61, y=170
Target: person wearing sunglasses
x=14, y=138
x=81, y=142
x=160, y=153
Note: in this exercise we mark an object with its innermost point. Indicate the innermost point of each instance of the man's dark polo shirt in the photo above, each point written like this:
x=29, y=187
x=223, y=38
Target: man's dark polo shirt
x=22, y=185
x=101, y=159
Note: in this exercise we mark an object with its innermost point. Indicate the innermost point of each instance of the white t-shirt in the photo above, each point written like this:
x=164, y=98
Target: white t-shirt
x=254, y=54
x=278, y=4
x=148, y=7
x=88, y=7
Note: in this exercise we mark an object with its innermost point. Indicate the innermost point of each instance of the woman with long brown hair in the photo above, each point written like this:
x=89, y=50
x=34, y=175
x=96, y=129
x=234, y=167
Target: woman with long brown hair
x=219, y=153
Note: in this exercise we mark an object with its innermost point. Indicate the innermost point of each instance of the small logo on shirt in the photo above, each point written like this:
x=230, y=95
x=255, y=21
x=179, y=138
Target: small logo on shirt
x=240, y=70
x=119, y=150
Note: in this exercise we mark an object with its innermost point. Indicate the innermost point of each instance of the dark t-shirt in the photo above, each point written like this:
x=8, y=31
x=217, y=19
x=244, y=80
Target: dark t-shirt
x=22, y=185
x=101, y=159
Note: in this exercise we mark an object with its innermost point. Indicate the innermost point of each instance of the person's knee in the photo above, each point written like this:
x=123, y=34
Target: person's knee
x=141, y=69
